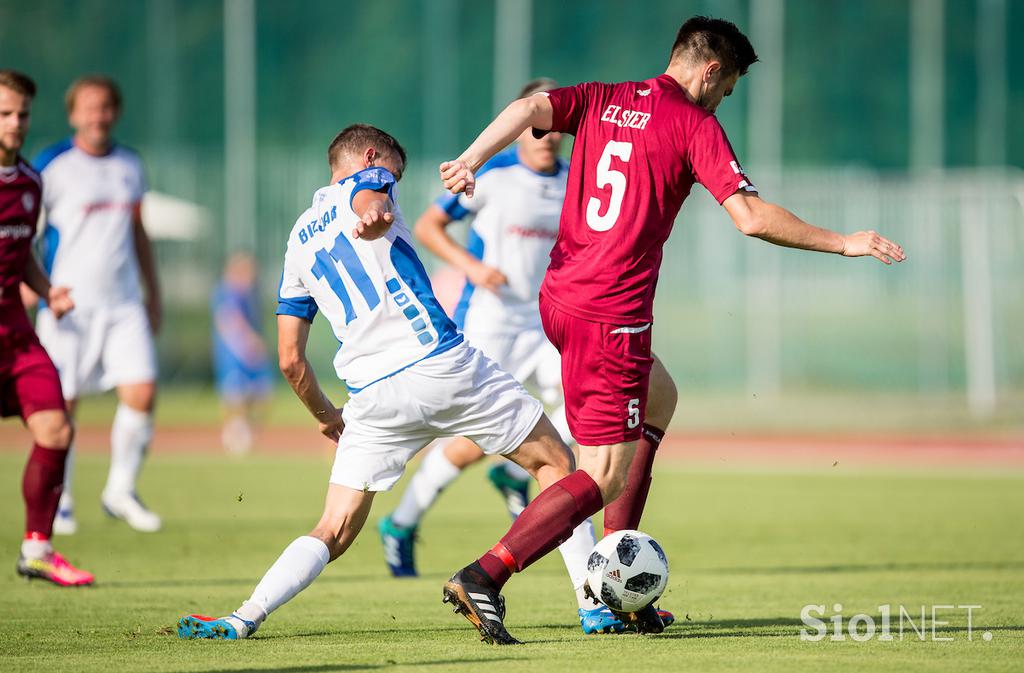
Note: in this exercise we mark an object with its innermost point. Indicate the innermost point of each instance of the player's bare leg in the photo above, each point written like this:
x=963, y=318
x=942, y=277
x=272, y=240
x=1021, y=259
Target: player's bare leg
x=41, y=487
x=345, y=512
x=130, y=435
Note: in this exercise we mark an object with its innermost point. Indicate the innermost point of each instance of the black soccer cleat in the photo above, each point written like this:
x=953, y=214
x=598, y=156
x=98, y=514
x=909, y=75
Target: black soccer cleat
x=473, y=595
x=646, y=620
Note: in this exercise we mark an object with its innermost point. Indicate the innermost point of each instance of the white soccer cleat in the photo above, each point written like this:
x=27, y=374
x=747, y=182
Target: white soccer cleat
x=64, y=523
x=130, y=509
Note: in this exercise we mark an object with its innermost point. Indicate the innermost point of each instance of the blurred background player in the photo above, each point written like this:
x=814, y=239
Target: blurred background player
x=29, y=386
x=516, y=206
x=640, y=146
x=411, y=376
x=240, y=359
x=94, y=241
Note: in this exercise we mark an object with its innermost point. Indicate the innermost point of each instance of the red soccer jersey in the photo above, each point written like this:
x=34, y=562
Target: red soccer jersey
x=20, y=195
x=639, y=148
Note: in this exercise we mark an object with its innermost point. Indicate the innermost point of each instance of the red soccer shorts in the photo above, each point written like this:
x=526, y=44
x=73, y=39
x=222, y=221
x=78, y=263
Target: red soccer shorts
x=606, y=370
x=28, y=379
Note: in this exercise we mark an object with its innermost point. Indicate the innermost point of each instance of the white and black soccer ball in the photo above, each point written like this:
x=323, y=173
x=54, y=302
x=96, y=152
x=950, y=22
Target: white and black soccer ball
x=627, y=570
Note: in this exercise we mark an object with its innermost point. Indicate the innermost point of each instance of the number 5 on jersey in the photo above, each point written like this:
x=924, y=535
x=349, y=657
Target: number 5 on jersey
x=609, y=177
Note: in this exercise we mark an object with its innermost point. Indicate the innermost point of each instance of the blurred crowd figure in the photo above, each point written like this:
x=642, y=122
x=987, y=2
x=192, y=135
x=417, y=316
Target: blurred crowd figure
x=240, y=362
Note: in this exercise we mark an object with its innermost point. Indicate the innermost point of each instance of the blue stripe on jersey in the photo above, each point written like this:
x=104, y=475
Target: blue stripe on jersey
x=411, y=271
x=299, y=307
x=51, y=239
x=475, y=247
x=449, y=203
x=50, y=153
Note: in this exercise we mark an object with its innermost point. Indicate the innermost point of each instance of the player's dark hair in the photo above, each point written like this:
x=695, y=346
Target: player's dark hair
x=702, y=38
x=537, y=86
x=17, y=81
x=101, y=81
x=356, y=138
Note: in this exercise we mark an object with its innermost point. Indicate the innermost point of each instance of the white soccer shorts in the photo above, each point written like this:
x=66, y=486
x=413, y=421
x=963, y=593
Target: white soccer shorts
x=457, y=393
x=96, y=350
x=528, y=356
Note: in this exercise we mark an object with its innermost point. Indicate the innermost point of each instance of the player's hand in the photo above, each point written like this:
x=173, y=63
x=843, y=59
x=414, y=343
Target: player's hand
x=154, y=312
x=332, y=425
x=458, y=178
x=487, y=277
x=375, y=222
x=865, y=243
x=59, y=300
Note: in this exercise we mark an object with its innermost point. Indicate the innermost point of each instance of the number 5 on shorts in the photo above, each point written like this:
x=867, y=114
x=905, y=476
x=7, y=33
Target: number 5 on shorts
x=633, y=413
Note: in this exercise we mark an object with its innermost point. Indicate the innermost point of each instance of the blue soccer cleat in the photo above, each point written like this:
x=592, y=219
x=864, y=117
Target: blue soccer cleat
x=515, y=491
x=667, y=618
x=399, y=548
x=600, y=620
x=192, y=627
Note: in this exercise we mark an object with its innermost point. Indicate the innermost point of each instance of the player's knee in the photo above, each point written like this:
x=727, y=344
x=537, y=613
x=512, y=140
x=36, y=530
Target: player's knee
x=612, y=485
x=662, y=397
x=51, y=429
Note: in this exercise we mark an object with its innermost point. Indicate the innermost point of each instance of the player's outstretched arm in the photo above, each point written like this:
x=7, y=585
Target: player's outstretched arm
x=57, y=298
x=375, y=213
x=767, y=221
x=292, y=335
x=431, y=230
x=530, y=112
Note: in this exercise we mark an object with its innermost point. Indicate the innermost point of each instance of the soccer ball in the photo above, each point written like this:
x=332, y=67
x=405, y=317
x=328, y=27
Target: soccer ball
x=627, y=571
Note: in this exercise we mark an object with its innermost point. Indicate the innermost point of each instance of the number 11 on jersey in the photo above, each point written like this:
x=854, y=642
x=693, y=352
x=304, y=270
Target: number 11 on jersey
x=607, y=176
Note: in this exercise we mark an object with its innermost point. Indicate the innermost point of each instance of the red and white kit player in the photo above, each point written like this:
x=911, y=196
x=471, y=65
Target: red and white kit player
x=29, y=386
x=640, y=146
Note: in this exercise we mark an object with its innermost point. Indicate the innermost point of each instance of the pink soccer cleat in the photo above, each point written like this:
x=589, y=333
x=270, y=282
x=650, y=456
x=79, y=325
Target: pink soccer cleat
x=54, y=568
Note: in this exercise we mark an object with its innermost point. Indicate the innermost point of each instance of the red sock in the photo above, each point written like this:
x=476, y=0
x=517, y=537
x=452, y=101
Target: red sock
x=547, y=522
x=625, y=511
x=41, y=487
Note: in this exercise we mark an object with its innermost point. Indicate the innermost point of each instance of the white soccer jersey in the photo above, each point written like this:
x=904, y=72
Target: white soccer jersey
x=375, y=294
x=515, y=226
x=89, y=238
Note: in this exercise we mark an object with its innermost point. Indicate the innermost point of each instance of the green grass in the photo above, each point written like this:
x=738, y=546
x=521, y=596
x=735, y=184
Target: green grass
x=747, y=552
x=789, y=413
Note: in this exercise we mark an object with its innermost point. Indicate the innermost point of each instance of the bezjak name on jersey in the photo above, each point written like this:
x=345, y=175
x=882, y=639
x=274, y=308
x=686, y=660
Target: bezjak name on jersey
x=318, y=225
x=627, y=119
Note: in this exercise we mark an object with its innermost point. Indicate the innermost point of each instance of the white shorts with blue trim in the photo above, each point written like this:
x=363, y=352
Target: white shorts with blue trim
x=459, y=392
x=97, y=349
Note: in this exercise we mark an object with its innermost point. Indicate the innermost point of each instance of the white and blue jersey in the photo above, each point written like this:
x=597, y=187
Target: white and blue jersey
x=375, y=294
x=515, y=224
x=89, y=238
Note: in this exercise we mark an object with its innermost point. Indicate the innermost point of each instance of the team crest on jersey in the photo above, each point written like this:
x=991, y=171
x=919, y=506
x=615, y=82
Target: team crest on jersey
x=29, y=201
x=643, y=92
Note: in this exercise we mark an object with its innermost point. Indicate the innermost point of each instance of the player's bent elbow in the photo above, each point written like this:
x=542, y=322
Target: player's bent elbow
x=751, y=225
x=290, y=365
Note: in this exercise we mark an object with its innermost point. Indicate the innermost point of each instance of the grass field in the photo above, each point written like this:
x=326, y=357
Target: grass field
x=748, y=551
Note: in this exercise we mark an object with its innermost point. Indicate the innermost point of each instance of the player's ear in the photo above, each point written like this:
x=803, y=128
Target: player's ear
x=369, y=157
x=712, y=70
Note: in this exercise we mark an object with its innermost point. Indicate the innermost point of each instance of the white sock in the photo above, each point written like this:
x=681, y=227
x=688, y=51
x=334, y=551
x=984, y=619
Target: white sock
x=435, y=472
x=66, y=502
x=561, y=425
x=575, y=552
x=516, y=471
x=35, y=549
x=129, y=439
x=294, y=570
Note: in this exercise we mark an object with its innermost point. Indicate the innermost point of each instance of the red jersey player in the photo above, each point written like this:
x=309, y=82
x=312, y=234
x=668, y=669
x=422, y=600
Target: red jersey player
x=29, y=385
x=640, y=146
